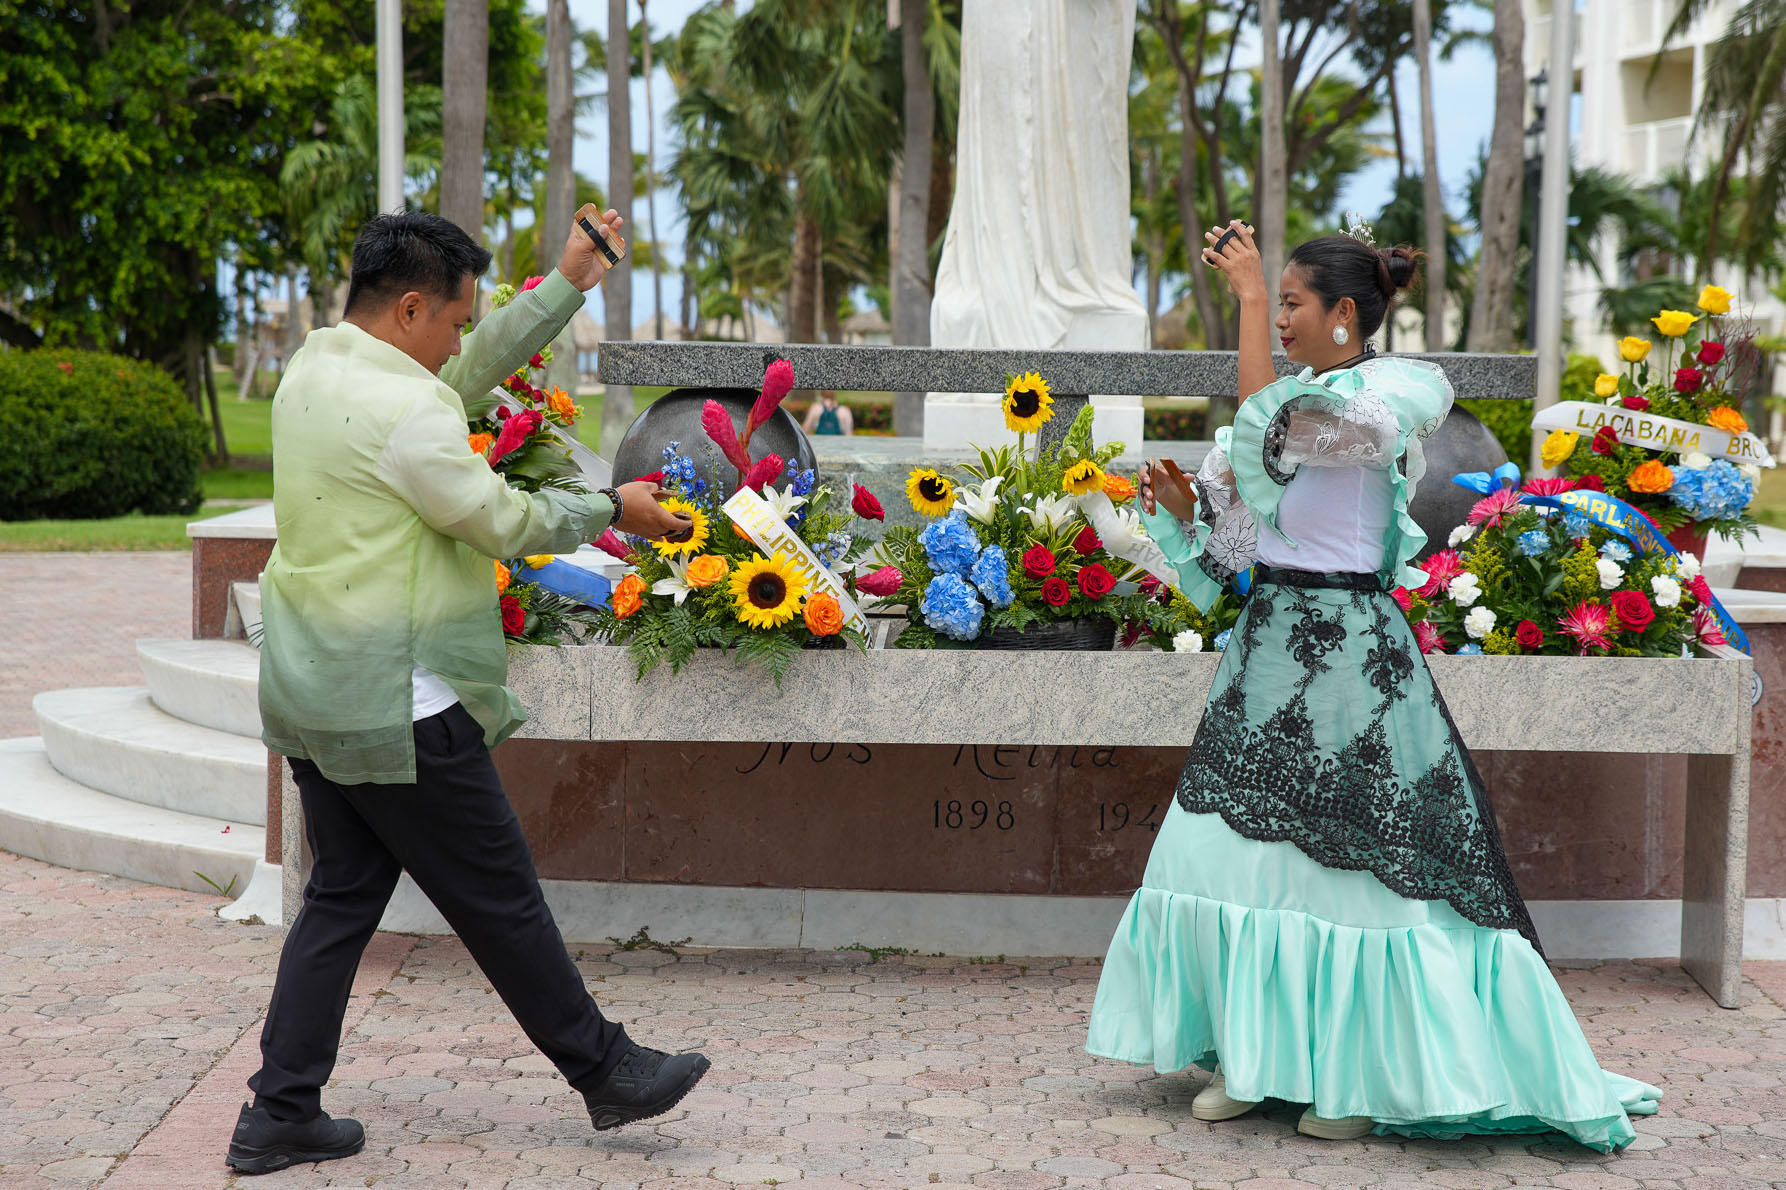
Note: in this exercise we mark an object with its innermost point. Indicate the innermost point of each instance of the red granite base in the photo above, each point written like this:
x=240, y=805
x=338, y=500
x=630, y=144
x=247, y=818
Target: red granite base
x=216, y=563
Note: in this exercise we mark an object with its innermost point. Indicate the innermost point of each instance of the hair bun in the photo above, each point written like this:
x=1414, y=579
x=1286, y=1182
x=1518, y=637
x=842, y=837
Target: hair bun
x=1396, y=268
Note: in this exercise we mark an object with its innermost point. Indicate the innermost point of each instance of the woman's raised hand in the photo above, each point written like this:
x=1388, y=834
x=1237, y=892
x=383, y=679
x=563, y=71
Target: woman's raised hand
x=1157, y=488
x=1238, y=260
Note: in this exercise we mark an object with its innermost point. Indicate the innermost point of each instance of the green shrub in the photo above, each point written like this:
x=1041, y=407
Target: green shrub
x=1175, y=424
x=94, y=435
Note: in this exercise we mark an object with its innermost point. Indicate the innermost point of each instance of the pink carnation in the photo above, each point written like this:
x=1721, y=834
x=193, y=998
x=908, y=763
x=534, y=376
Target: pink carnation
x=1440, y=569
x=1428, y=638
x=882, y=582
x=1494, y=507
x=1589, y=624
x=1543, y=486
x=718, y=424
x=778, y=380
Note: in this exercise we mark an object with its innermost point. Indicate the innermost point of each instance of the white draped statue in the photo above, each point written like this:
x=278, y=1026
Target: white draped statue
x=1037, y=252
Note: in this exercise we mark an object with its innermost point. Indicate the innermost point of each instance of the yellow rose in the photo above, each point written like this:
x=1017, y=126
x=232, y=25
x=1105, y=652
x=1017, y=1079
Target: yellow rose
x=1714, y=299
x=502, y=578
x=706, y=570
x=1674, y=323
x=1557, y=447
x=538, y=560
x=1605, y=385
x=1632, y=349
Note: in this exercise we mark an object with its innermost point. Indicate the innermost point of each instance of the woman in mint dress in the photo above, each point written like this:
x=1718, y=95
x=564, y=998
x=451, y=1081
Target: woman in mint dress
x=1328, y=912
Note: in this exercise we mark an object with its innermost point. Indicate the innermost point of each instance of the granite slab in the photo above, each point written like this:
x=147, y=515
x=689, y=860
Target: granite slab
x=960, y=370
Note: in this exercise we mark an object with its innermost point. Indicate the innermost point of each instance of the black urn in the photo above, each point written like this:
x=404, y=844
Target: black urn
x=676, y=417
x=1462, y=443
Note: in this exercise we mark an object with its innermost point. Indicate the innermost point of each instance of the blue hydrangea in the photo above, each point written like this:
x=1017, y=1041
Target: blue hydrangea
x=951, y=545
x=1714, y=492
x=952, y=608
x=1470, y=650
x=1616, y=551
x=992, y=574
x=1533, y=542
x=1577, y=522
x=1221, y=640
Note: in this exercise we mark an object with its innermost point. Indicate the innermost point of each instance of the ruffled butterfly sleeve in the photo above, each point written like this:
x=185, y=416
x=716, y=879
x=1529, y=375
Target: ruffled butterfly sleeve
x=1209, y=551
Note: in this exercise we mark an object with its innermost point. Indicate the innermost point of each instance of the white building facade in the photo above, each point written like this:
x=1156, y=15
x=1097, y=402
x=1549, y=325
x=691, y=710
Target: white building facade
x=1630, y=121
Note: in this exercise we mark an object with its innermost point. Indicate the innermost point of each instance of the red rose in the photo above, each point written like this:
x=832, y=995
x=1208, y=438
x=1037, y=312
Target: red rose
x=1637, y=402
x=1038, y=561
x=513, y=617
x=1528, y=634
x=1688, y=380
x=1590, y=483
x=537, y=361
x=1635, y=612
x=1605, y=438
x=864, y=505
x=656, y=477
x=1711, y=353
x=1055, y=591
x=1086, y=542
x=1095, y=581
x=1404, y=598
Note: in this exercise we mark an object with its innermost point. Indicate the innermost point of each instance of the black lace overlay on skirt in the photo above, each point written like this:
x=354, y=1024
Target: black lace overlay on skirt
x=1398, y=797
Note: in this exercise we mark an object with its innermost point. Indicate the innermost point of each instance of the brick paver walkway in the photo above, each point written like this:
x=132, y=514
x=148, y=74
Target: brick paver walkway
x=129, y=1014
x=73, y=620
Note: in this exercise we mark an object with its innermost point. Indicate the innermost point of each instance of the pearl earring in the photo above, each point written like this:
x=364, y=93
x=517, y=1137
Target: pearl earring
x=1341, y=336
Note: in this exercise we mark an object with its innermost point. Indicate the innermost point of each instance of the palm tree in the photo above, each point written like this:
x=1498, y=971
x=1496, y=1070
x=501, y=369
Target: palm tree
x=561, y=178
x=1745, y=76
x=1433, y=196
x=1499, y=209
x=465, y=71
x=617, y=286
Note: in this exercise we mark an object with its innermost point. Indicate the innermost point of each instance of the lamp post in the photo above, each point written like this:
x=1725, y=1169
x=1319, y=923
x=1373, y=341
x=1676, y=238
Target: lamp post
x=1540, y=84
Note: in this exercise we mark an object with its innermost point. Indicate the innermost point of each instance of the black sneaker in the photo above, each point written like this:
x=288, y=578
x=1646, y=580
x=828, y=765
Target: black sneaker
x=262, y=1144
x=646, y=1083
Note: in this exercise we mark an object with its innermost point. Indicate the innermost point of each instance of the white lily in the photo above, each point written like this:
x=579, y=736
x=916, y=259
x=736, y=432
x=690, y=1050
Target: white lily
x=1120, y=540
x=677, y=583
x=784, y=502
x=1051, y=512
x=979, y=501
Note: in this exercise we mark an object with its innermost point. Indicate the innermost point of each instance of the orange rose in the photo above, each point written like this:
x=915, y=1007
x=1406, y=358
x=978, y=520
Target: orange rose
x=1726, y=418
x=706, y=570
x=1650, y=477
x=559, y=402
x=502, y=578
x=627, y=596
x=823, y=616
x=1118, y=488
x=480, y=442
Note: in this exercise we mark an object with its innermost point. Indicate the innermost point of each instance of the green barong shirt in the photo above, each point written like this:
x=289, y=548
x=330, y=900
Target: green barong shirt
x=387, y=524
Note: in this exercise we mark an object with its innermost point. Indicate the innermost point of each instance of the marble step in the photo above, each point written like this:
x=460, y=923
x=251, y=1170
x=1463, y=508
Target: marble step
x=115, y=740
x=212, y=683
x=46, y=816
x=242, y=620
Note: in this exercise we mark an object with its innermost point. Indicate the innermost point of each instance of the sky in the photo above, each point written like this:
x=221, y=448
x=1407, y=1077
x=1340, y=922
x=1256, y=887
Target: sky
x=1464, y=116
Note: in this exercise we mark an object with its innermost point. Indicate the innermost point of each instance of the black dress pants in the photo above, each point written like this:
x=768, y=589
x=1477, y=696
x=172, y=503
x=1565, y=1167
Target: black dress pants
x=455, y=833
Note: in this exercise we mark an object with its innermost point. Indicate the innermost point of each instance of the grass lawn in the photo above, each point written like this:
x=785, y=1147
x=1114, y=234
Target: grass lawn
x=134, y=532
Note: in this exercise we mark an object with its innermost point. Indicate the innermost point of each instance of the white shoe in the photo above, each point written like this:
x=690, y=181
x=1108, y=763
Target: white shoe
x=1213, y=1102
x=1344, y=1128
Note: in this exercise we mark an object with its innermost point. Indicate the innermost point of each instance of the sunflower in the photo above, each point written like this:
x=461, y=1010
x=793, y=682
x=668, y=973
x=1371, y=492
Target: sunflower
x=1027, y=403
x=694, y=541
x=1082, y=477
x=931, y=494
x=767, y=591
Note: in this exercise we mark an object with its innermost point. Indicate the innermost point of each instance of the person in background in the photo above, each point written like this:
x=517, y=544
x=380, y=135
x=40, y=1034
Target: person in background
x=383, y=663
x=827, y=416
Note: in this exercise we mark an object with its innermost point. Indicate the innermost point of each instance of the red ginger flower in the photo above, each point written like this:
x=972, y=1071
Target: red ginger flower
x=611, y=542
x=718, y=424
x=778, y=380
x=882, y=582
x=864, y=505
x=530, y=283
x=515, y=431
x=656, y=477
x=762, y=472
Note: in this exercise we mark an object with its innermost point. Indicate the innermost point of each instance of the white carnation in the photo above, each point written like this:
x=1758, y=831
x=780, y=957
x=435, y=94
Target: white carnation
x=1611, y=574
x=1465, y=589
x=1695, y=460
x=1479, y=623
x=1687, y=566
x=1188, y=642
x=1668, y=592
x=1461, y=534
